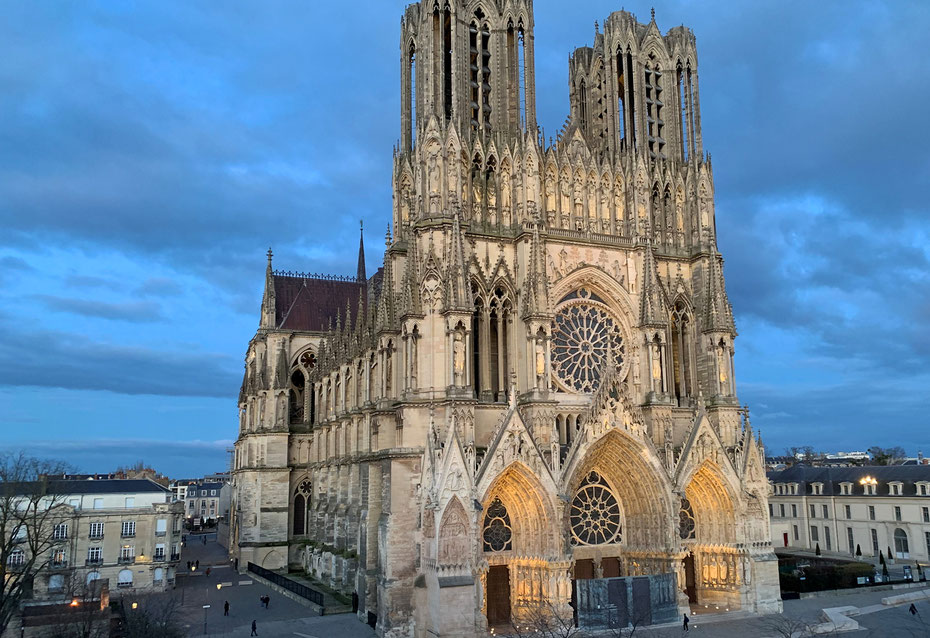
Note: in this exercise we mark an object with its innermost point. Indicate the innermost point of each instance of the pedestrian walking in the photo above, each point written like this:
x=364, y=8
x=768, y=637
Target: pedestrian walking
x=197, y=564
x=188, y=565
x=267, y=600
x=685, y=623
x=208, y=571
x=226, y=608
x=254, y=632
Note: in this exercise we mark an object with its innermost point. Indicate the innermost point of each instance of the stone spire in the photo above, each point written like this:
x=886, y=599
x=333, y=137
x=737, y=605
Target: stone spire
x=653, y=310
x=386, y=310
x=411, y=290
x=361, y=273
x=536, y=301
x=718, y=314
x=268, y=300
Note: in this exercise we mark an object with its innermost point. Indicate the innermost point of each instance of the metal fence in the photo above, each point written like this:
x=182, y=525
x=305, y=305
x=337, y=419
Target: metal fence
x=300, y=589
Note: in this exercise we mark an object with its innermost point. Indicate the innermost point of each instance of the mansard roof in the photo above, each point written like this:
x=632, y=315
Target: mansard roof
x=832, y=477
x=312, y=302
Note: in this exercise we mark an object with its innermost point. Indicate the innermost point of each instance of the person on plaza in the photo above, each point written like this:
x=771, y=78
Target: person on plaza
x=226, y=608
x=254, y=632
x=267, y=600
x=208, y=571
x=685, y=624
x=197, y=564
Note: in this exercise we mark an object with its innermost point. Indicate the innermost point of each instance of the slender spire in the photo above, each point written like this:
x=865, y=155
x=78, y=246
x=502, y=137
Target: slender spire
x=653, y=310
x=537, y=283
x=362, y=275
x=460, y=292
x=268, y=299
x=280, y=371
x=718, y=315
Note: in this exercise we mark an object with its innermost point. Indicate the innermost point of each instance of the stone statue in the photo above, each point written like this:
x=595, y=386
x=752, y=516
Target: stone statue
x=550, y=195
x=722, y=367
x=566, y=195
x=657, y=365
x=540, y=362
x=458, y=358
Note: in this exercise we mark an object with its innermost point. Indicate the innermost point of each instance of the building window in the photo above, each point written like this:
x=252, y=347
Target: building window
x=826, y=537
x=60, y=532
x=771, y=512
x=897, y=513
x=926, y=511
x=56, y=582
x=923, y=489
x=927, y=541
x=498, y=534
x=94, y=554
x=874, y=542
x=871, y=512
x=124, y=580
x=781, y=509
x=159, y=552
x=900, y=544
x=848, y=511
x=127, y=553
x=814, y=536
x=161, y=527
x=16, y=557
x=796, y=532
x=96, y=530
x=128, y=529
x=849, y=540
x=813, y=509
x=794, y=510
x=825, y=510
x=59, y=558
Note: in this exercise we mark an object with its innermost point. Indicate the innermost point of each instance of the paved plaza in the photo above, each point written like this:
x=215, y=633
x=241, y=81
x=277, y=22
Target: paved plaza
x=284, y=617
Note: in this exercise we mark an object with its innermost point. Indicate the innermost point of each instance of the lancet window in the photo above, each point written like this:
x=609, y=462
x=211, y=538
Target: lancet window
x=595, y=517
x=299, y=389
x=516, y=53
x=492, y=330
x=497, y=533
x=655, y=124
x=586, y=338
x=683, y=374
x=301, y=507
x=479, y=40
x=412, y=96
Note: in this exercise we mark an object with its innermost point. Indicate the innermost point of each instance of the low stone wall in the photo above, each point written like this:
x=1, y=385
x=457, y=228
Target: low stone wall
x=623, y=602
x=336, y=571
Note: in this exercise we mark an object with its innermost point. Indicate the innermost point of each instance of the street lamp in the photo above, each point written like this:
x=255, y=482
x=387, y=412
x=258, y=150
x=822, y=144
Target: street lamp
x=219, y=586
x=205, y=608
x=135, y=605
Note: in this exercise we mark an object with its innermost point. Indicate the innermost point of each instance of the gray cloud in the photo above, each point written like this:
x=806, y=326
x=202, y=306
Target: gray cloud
x=132, y=311
x=64, y=360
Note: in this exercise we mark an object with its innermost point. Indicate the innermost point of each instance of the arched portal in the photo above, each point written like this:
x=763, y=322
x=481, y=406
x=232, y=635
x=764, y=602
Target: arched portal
x=516, y=542
x=618, y=519
x=708, y=533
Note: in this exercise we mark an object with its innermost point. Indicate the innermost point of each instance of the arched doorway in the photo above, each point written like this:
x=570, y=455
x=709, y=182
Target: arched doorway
x=901, y=549
x=707, y=529
x=517, y=543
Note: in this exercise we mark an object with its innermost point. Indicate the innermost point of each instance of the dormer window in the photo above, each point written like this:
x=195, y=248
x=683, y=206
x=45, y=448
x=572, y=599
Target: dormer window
x=817, y=489
x=922, y=488
x=846, y=488
x=869, y=485
x=896, y=488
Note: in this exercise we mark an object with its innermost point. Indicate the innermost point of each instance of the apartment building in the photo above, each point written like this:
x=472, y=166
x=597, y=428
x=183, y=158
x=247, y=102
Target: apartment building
x=205, y=500
x=123, y=530
x=873, y=508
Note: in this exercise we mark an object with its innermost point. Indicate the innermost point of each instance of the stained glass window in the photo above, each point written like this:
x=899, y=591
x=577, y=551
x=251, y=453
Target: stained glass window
x=686, y=520
x=498, y=535
x=595, y=513
x=585, y=335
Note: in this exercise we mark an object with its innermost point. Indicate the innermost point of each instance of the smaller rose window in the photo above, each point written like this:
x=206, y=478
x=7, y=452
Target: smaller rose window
x=595, y=513
x=498, y=535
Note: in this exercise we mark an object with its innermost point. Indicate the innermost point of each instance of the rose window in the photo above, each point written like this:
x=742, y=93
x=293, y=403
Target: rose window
x=686, y=520
x=585, y=336
x=595, y=513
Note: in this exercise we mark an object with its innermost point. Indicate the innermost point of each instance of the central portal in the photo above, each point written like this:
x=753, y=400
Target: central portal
x=498, y=595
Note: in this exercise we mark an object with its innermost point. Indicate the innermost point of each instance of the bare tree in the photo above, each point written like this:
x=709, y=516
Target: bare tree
x=545, y=620
x=29, y=511
x=786, y=627
x=155, y=616
x=88, y=612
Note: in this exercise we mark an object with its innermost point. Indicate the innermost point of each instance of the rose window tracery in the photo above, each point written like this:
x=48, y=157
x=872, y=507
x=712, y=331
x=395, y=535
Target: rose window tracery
x=585, y=336
x=595, y=513
x=498, y=534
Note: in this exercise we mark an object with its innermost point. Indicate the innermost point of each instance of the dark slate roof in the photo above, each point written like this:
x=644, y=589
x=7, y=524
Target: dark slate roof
x=831, y=477
x=106, y=486
x=313, y=303
x=194, y=490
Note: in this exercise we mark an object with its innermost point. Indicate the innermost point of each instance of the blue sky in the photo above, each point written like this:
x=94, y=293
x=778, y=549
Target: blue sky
x=150, y=152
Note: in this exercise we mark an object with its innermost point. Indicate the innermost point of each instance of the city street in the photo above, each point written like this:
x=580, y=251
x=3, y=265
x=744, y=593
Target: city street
x=284, y=617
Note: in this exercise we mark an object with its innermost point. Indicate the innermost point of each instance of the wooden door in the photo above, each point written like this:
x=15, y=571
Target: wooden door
x=690, y=589
x=498, y=595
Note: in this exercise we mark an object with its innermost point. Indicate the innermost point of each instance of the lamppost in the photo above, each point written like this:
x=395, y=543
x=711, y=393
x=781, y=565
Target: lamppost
x=205, y=608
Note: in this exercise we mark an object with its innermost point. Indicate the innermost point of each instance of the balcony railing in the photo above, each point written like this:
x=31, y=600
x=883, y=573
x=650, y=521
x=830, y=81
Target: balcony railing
x=159, y=558
x=90, y=562
x=124, y=585
x=175, y=557
x=126, y=560
x=96, y=537
x=161, y=533
x=127, y=535
x=58, y=564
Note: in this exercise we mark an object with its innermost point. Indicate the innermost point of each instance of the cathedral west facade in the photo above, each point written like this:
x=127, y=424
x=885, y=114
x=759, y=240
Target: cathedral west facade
x=537, y=387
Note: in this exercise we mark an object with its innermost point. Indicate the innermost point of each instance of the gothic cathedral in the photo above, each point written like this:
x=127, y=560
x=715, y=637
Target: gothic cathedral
x=537, y=388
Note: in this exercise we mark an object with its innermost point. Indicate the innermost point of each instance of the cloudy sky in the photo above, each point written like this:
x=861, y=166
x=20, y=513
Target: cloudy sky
x=150, y=152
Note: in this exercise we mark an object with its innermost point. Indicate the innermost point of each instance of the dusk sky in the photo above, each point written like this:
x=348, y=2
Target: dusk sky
x=151, y=152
